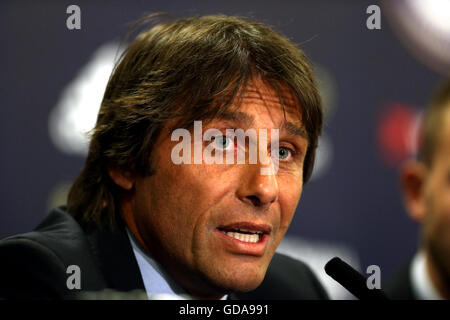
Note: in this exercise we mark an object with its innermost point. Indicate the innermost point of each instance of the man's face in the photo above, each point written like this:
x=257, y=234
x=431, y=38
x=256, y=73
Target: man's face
x=186, y=214
x=436, y=222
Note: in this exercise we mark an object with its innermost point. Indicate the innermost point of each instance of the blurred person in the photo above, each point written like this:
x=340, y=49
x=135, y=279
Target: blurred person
x=426, y=188
x=136, y=220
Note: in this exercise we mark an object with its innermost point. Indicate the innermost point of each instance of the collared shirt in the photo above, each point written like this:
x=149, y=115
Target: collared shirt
x=157, y=282
x=421, y=283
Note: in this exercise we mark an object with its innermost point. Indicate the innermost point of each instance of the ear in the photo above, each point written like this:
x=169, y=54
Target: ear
x=412, y=181
x=123, y=179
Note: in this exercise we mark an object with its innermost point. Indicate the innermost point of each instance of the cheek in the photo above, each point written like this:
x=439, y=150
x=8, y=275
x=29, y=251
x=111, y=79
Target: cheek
x=164, y=209
x=441, y=213
x=203, y=186
x=289, y=196
x=184, y=194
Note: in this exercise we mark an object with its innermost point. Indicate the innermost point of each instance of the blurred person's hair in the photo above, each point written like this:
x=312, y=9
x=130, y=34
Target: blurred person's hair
x=432, y=123
x=184, y=70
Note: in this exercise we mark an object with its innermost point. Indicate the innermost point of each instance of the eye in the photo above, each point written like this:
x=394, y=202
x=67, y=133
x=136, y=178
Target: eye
x=222, y=142
x=284, y=153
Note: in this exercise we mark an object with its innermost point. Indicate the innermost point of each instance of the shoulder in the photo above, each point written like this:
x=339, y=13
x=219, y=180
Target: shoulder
x=29, y=269
x=287, y=279
x=34, y=264
x=58, y=238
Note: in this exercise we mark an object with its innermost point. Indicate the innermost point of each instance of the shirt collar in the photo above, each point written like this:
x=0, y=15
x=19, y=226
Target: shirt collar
x=421, y=283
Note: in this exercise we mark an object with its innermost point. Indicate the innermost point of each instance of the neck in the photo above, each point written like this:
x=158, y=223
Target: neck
x=127, y=215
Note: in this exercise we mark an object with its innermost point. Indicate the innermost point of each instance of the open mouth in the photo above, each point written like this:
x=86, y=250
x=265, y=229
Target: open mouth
x=246, y=232
x=244, y=235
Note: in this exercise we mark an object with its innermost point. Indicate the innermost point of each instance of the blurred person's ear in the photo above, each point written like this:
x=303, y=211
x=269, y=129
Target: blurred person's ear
x=412, y=182
x=123, y=179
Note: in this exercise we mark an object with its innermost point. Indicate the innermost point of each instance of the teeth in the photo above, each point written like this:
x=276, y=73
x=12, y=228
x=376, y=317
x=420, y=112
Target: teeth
x=250, y=231
x=252, y=238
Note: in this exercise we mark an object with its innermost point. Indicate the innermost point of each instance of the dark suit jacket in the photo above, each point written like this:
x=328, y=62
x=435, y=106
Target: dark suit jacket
x=34, y=265
x=399, y=287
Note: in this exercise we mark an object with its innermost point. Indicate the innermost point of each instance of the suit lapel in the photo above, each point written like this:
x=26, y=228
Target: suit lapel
x=116, y=258
x=400, y=286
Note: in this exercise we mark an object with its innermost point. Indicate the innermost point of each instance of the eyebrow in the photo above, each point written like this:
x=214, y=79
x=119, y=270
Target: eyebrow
x=294, y=130
x=247, y=120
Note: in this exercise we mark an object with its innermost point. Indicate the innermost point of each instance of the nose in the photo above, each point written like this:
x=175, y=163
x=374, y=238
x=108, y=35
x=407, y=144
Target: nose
x=257, y=189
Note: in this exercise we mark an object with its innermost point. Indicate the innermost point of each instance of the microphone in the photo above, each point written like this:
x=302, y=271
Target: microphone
x=352, y=280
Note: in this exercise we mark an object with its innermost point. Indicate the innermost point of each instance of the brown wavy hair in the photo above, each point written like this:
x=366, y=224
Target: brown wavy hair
x=185, y=69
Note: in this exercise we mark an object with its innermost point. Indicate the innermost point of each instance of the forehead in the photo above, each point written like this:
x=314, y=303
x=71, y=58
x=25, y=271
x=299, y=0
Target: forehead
x=278, y=94
x=271, y=99
x=261, y=104
x=258, y=98
x=257, y=88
